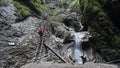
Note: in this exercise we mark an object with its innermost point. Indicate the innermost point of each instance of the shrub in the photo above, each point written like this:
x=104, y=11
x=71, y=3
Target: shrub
x=22, y=10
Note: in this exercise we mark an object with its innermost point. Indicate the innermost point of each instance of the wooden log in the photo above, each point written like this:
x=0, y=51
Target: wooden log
x=59, y=56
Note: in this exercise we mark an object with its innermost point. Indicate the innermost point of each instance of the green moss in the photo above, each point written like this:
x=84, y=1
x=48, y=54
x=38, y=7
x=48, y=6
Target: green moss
x=25, y=8
x=96, y=3
x=39, y=5
x=74, y=3
x=101, y=27
x=84, y=4
x=3, y=3
x=22, y=10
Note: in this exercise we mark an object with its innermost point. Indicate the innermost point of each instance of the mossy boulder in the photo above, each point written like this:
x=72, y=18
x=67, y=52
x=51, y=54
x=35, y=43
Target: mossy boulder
x=68, y=20
x=59, y=29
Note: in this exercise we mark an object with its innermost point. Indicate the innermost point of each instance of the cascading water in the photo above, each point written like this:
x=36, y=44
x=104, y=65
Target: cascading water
x=78, y=48
x=78, y=38
x=78, y=52
x=77, y=17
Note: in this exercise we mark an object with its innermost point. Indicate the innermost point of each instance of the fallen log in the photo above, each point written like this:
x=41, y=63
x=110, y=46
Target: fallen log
x=59, y=56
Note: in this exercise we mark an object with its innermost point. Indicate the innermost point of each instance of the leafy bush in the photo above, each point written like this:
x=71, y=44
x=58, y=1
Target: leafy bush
x=39, y=4
x=22, y=10
x=75, y=3
x=72, y=3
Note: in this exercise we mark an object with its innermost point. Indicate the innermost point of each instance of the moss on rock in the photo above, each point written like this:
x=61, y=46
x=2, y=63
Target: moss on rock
x=102, y=29
x=39, y=5
x=29, y=7
x=59, y=30
x=22, y=10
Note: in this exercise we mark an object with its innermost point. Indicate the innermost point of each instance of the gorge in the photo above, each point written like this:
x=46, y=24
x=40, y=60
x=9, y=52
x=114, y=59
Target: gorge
x=80, y=31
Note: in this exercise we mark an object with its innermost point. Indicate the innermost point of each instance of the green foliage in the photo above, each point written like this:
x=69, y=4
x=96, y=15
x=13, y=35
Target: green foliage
x=22, y=10
x=92, y=9
x=75, y=3
x=25, y=9
x=39, y=5
x=84, y=4
x=3, y=3
x=101, y=14
x=101, y=27
x=96, y=8
x=72, y=3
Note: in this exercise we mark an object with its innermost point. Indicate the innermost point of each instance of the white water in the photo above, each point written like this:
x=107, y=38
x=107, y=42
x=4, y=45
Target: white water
x=79, y=38
x=78, y=48
x=81, y=26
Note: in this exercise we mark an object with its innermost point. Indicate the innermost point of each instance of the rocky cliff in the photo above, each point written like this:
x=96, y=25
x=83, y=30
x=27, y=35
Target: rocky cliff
x=21, y=20
x=97, y=17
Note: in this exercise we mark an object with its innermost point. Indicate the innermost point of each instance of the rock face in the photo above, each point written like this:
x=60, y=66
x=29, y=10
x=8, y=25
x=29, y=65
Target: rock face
x=19, y=40
x=105, y=34
x=25, y=36
x=7, y=12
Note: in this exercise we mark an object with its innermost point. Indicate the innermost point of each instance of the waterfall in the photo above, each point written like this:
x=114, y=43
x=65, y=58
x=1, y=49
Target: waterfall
x=80, y=37
x=81, y=26
x=78, y=52
x=77, y=17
